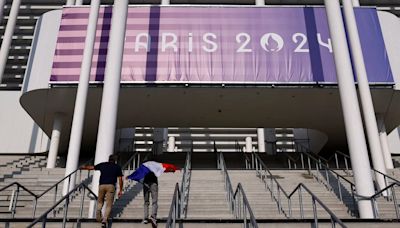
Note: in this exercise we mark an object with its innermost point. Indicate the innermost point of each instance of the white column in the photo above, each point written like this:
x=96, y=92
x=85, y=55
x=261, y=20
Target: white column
x=261, y=139
x=2, y=4
x=365, y=94
x=351, y=110
x=112, y=77
x=171, y=144
x=260, y=3
x=7, y=38
x=55, y=141
x=249, y=145
x=70, y=2
x=384, y=143
x=356, y=3
x=79, y=2
x=165, y=2
x=81, y=96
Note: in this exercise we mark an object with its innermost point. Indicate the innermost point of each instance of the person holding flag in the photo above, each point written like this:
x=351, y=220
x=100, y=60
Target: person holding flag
x=148, y=174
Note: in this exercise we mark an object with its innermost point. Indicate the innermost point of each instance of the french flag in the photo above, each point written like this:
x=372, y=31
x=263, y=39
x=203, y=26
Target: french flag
x=151, y=166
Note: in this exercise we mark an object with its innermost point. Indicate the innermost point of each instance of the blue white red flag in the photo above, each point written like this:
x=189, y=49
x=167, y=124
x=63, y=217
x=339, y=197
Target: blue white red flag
x=151, y=166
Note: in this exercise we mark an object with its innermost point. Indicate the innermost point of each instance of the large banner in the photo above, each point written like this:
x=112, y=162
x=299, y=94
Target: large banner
x=218, y=44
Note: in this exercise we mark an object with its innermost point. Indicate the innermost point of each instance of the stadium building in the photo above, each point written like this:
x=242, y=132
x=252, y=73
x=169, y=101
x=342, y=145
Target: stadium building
x=280, y=113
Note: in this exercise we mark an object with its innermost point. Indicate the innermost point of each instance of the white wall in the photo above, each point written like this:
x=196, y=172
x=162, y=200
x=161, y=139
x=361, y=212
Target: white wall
x=390, y=25
x=18, y=132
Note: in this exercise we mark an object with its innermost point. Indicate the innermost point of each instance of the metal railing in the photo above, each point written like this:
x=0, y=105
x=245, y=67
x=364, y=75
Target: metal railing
x=238, y=203
x=389, y=197
x=388, y=193
x=333, y=181
x=180, y=198
x=81, y=188
x=15, y=195
x=185, y=184
x=56, y=187
x=279, y=194
x=249, y=161
x=175, y=209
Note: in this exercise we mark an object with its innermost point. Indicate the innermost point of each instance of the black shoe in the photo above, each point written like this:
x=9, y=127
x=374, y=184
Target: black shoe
x=103, y=225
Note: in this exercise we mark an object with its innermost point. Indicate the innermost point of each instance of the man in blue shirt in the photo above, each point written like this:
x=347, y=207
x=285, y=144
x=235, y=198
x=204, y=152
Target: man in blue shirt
x=110, y=171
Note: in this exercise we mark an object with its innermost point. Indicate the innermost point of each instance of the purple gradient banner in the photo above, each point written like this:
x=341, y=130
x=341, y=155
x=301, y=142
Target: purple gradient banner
x=218, y=44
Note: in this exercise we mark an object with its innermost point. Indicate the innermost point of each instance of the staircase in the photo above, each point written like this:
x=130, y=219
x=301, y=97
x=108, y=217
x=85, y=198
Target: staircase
x=37, y=180
x=207, y=196
x=259, y=198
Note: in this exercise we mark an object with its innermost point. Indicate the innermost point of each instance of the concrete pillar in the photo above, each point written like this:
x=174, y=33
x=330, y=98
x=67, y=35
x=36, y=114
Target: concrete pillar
x=165, y=2
x=260, y=2
x=81, y=96
x=70, y=2
x=249, y=145
x=2, y=4
x=384, y=143
x=7, y=38
x=55, y=141
x=351, y=110
x=261, y=140
x=112, y=78
x=365, y=94
x=79, y=2
x=356, y=3
x=171, y=144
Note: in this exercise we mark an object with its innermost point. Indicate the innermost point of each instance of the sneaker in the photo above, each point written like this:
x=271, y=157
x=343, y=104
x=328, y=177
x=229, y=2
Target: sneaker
x=145, y=221
x=153, y=221
x=103, y=225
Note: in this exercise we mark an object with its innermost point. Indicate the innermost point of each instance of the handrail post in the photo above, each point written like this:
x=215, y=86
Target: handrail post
x=65, y=211
x=81, y=206
x=336, y=160
x=302, y=160
x=34, y=207
x=55, y=199
x=279, y=199
x=301, y=204
x=315, y=212
x=340, y=188
x=395, y=203
x=346, y=165
x=15, y=202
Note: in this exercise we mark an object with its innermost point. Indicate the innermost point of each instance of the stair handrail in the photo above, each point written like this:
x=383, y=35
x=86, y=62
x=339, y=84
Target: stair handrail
x=15, y=195
x=238, y=203
x=249, y=163
x=389, y=197
x=185, y=183
x=66, y=198
x=346, y=157
x=54, y=186
x=315, y=199
x=175, y=208
x=291, y=160
x=132, y=163
x=387, y=194
x=386, y=176
x=326, y=180
x=260, y=165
